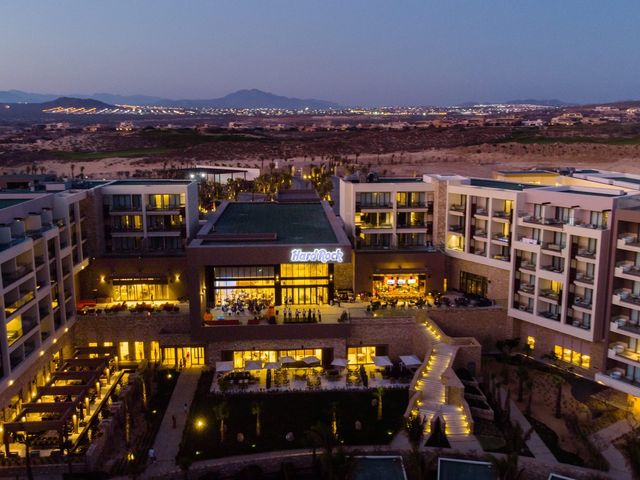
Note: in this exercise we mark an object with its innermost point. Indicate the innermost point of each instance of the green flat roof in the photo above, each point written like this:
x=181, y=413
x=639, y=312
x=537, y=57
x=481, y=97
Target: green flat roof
x=399, y=180
x=9, y=202
x=526, y=172
x=585, y=192
x=487, y=182
x=151, y=182
x=293, y=223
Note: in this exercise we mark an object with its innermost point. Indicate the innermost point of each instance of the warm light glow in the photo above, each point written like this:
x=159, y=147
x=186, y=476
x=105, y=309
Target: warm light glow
x=199, y=424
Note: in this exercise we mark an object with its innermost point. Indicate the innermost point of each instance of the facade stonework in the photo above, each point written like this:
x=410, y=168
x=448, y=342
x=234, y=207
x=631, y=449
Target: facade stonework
x=498, y=279
x=486, y=325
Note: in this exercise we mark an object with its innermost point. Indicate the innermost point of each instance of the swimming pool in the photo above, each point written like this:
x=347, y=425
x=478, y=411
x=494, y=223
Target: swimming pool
x=380, y=468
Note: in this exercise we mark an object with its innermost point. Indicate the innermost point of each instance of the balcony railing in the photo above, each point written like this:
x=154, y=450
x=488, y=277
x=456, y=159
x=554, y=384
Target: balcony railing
x=375, y=225
x=583, y=252
x=523, y=308
x=527, y=288
x=502, y=214
x=584, y=278
x=582, y=303
x=550, y=294
x=623, y=323
x=481, y=211
x=125, y=208
x=457, y=208
x=157, y=208
x=456, y=228
x=23, y=300
x=528, y=266
x=554, y=247
x=480, y=233
x=501, y=238
x=552, y=268
x=360, y=205
x=550, y=315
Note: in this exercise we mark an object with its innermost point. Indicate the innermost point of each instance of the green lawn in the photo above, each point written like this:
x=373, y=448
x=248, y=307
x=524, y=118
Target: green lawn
x=134, y=152
x=287, y=412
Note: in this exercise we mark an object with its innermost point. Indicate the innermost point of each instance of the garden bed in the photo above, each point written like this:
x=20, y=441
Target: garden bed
x=284, y=413
x=550, y=439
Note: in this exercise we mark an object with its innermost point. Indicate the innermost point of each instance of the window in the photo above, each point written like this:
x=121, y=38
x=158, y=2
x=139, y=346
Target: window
x=531, y=342
x=124, y=351
x=139, y=349
x=573, y=357
x=360, y=355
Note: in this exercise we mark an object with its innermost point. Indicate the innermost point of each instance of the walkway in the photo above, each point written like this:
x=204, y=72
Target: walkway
x=604, y=439
x=168, y=438
x=433, y=395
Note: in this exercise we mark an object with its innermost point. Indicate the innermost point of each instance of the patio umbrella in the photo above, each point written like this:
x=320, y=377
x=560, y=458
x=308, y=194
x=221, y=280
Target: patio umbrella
x=253, y=365
x=410, y=361
x=223, y=367
x=311, y=360
x=285, y=360
x=339, y=362
x=272, y=365
x=382, y=361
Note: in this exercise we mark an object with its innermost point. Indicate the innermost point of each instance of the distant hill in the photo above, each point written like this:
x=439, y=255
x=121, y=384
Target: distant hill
x=70, y=102
x=528, y=101
x=241, y=99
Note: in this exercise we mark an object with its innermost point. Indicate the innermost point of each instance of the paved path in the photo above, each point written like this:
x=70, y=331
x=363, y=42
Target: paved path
x=168, y=438
x=603, y=439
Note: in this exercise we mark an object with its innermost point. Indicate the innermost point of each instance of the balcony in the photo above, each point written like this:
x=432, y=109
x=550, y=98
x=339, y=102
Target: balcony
x=373, y=206
x=163, y=208
x=527, y=266
x=523, y=308
x=457, y=209
x=583, y=278
x=623, y=325
x=417, y=224
x=628, y=241
x=12, y=277
x=549, y=315
x=550, y=296
x=481, y=212
x=479, y=233
x=628, y=270
x=124, y=208
x=552, y=268
x=22, y=301
x=578, y=323
x=480, y=252
x=527, y=289
x=616, y=379
x=502, y=215
x=586, y=254
x=412, y=205
x=501, y=239
x=553, y=248
x=620, y=351
x=125, y=229
x=502, y=258
x=547, y=222
x=583, y=304
x=456, y=228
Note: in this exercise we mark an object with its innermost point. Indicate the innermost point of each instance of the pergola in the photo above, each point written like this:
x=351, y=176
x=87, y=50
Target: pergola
x=81, y=378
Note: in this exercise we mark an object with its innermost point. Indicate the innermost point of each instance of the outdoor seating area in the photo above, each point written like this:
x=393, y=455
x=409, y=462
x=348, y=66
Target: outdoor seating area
x=63, y=411
x=296, y=376
x=125, y=308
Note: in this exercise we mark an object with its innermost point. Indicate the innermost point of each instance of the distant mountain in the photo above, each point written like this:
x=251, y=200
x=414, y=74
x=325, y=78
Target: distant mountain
x=528, y=101
x=241, y=99
x=70, y=102
x=544, y=103
x=18, y=96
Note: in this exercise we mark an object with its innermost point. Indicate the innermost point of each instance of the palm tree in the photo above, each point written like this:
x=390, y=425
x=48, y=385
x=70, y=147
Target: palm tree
x=558, y=383
x=221, y=413
x=523, y=374
x=529, y=383
x=82, y=171
x=336, y=464
x=506, y=468
x=379, y=393
x=630, y=447
x=73, y=169
x=415, y=426
x=256, y=409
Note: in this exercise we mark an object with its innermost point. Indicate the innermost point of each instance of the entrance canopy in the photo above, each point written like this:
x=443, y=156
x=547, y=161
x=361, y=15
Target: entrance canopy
x=410, y=361
x=253, y=365
x=382, y=361
x=272, y=365
x=287, y=359
x=223, y=367
x=339, y=362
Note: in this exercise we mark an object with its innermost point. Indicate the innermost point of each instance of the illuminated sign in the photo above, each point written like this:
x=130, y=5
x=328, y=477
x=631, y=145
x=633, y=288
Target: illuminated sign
x=317, y=255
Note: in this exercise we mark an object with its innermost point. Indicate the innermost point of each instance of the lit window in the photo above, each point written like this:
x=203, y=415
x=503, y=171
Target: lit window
x=531, y=341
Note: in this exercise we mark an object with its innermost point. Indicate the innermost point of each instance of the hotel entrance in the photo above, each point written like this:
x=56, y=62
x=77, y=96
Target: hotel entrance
x=304, y=295
x=191, y=356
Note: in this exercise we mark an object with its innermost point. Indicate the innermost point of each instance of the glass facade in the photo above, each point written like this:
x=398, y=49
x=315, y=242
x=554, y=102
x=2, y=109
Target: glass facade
x=360, y=355
x=290, y=283
x=399, y=286
x=264, y=356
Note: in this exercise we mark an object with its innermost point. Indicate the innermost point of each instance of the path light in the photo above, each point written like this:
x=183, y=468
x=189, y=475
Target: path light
x=200, y=424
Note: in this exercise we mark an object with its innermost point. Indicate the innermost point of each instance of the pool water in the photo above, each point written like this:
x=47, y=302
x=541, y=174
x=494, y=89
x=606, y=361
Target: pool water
x=379, y=468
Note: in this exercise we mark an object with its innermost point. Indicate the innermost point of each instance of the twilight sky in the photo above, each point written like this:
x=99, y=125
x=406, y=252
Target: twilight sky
x=356, y=52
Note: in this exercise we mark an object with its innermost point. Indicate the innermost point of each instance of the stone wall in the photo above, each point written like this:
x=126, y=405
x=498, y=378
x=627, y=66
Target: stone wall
x=498, y=279
x=546, y=339
x=486, y=325
x=343, y=276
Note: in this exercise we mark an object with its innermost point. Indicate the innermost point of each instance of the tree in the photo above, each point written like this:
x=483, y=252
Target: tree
x=82, y=171
x=221, y=413
x=256, y=409
x=184, y=462
x=415, y=426
x=523, y=374
x=530, y=384
x=558, y=383
x=506, y=468
x=73, y=168
x=378, y=394
x=630, y=447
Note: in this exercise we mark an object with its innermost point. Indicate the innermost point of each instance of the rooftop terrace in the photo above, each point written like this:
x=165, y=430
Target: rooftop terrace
x=151, y=182
x=299, y=223
x=10, y=202
x=486, y=182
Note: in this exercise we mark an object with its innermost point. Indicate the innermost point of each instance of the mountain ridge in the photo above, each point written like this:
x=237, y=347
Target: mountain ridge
x=246, y=98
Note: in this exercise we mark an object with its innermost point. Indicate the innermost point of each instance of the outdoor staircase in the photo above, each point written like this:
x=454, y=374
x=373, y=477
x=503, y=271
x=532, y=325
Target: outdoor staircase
x=433, y=394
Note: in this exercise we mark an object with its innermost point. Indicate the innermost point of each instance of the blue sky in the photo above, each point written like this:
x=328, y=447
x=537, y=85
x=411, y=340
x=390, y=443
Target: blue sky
x=365, y=52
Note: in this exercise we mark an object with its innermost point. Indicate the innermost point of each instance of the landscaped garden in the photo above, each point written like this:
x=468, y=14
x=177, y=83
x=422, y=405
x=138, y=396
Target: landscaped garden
x=221, y=425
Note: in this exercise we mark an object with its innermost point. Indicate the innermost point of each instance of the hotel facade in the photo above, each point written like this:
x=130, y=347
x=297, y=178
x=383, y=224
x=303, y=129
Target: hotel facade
x=557, y=252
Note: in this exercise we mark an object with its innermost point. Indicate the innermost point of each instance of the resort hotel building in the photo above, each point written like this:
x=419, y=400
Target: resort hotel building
x=100, y=275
